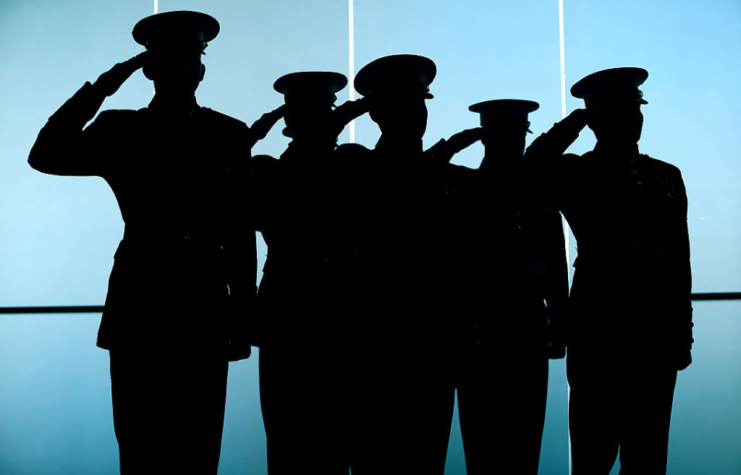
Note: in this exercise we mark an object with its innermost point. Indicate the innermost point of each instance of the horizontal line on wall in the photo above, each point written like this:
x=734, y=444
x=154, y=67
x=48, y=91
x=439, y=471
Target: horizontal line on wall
x=99, y=308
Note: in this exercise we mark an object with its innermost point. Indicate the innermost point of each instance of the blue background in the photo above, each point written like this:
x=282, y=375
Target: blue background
x=58, y=235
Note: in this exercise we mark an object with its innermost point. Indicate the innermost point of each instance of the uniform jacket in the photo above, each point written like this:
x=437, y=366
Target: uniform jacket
x=511, y=271
x=184, y=273
x=628, y=212
x=301, y=291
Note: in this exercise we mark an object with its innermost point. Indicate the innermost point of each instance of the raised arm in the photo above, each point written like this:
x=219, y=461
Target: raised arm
x=444, y=150
x=62, y=147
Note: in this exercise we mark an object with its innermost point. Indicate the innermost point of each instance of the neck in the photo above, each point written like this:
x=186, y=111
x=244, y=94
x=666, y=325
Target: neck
x=174, y=102
x=607, y=147
x=494, y=160
x=400, y=145
x=317, y=148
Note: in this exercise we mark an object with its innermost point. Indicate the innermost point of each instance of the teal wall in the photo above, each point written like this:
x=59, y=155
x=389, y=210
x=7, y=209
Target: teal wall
x=58, y=235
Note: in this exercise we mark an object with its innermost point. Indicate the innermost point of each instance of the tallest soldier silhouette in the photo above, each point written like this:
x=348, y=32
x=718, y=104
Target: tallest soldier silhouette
x=182, y=287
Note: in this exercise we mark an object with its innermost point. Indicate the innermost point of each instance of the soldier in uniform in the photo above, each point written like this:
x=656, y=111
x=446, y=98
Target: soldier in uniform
x=401, y=401
x=300, y=303
x=508, y=261
x=630, y=327
x=181, y=291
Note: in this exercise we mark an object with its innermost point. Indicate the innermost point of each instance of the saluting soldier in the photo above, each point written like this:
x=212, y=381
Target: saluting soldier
x=181, y=292
x=631, y=313
x=401, y=398
x=509, y=283
x=302, y=296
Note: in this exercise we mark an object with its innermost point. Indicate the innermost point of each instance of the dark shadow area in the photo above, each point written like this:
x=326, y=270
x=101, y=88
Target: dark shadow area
x=394, y=279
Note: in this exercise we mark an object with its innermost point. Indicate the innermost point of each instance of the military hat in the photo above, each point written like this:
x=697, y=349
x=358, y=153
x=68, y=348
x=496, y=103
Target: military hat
x=317, y=86
x=509, y=110
x=313, y=84
x=178, y=29
x=615, y=83
x=397, y=72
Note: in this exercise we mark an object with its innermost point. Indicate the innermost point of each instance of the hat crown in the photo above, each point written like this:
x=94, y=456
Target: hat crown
x=613, y=81
x=311, y=83
x=511, y=110
x=396, y=71
x=176, y=28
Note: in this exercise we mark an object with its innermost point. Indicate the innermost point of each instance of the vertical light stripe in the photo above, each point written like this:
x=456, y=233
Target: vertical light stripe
x=351, y=47
x=156, y=10
x=563, y=105
x=565, y=224
x=563, y=59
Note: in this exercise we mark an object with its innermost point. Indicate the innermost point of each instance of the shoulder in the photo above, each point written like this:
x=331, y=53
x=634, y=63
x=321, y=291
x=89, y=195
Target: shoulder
x=222, y=120
x=264, y=160
x=351, y=149
x=122, y=116
x=660, y=166
x=113, y=123
x=349, y=153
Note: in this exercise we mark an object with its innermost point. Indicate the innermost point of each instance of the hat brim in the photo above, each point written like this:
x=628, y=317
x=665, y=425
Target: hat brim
x=308, y=82
x=175, y=23
x=387, y=69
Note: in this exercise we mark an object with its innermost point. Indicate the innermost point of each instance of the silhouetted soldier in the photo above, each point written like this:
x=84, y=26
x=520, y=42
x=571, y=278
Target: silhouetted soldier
x=401, y=397
x=631, y=327
x=182, y=287
x=302, y=296
x=508, y=261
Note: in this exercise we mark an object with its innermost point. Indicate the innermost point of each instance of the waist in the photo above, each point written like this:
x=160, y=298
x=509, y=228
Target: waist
x=307, y=255
x=175, y=237
x=628, y=252
x=378, y=255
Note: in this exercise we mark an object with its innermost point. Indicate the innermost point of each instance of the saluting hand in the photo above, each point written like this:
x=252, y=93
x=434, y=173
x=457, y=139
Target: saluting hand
x=465, y=139
x=109, y=82
x=348, y=112
x=262, y=126
x=443, y=151
x=578, y=118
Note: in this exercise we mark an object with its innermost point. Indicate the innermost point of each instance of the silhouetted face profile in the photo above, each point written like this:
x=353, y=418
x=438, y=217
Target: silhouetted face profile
x=400, y=113
x=175, y=42
x=618, y=119
x=613, y=101
x=310, y=98
x=505, y=123
x=308, y=117
x=505, y=140
x=397, y=87
x=175, y=70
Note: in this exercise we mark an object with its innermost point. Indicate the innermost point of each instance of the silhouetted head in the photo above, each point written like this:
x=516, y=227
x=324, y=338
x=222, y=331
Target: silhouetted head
x=614, y=103
x=398, y=86
x=505, y=124
x=310, y=98
x=176, y=41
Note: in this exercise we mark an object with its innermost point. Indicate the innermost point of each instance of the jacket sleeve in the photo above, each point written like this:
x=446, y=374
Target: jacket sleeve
x=681, y=271
x=63, y=147
x=557, y=278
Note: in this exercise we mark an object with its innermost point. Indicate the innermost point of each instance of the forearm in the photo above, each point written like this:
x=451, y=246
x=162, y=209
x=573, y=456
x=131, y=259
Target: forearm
x=60, y=148
x=558, y=139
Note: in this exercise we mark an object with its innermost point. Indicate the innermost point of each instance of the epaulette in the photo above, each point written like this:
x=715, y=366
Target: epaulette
x=661, y=163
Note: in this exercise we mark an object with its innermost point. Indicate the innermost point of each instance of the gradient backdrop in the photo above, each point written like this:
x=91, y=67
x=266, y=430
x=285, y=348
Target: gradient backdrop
x=58, y=235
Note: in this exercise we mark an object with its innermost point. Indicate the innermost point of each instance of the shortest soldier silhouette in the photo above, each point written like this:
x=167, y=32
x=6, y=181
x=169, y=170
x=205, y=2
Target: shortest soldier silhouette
x=302, y=295
x=630, y=326
x=507, y=262
x=182, y=287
